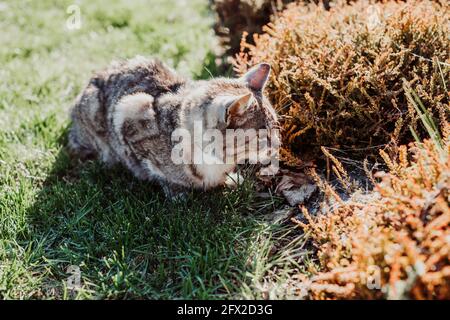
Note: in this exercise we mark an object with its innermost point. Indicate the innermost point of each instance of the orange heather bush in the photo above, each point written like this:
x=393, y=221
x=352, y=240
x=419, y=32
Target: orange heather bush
x=394, y=243
x=336, y=76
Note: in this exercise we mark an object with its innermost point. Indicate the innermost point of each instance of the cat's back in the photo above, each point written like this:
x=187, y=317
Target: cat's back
x=93, y=112
x=139, y=74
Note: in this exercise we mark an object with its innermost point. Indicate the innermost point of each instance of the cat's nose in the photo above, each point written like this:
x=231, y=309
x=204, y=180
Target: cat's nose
x=264, y=66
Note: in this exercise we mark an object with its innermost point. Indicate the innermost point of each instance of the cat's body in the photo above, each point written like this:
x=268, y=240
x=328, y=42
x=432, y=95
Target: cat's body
x=128, y=113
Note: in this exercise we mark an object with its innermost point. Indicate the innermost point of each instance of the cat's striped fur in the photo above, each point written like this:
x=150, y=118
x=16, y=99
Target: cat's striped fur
x=128, y=112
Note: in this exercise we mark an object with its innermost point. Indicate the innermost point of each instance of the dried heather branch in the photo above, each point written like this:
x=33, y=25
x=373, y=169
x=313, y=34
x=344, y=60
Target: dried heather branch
x=337, y=76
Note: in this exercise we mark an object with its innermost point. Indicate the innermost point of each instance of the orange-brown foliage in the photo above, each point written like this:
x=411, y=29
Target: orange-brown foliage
x=396, y=242
x=336, y=77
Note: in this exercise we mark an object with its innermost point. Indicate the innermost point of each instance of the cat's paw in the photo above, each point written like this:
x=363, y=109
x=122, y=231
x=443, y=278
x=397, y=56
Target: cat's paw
x=268, y=171
x=174, y=193
x=178, y=197
x=233, y=180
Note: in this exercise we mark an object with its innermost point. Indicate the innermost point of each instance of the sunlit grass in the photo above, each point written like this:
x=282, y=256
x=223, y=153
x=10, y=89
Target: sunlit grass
x=127, y=240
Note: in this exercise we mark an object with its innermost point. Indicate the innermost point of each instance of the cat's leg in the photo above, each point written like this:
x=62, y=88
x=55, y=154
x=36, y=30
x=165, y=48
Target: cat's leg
x=234, y=179
x=81, y=140
x=174, y=192
x=79, y=144
x=88, y=136
x=134, y=125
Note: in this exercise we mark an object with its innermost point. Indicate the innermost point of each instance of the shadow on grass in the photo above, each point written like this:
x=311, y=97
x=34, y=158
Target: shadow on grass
x=130, y=242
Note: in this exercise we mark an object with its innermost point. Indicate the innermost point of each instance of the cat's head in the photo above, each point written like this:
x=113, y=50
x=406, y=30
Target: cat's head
x=240, y=103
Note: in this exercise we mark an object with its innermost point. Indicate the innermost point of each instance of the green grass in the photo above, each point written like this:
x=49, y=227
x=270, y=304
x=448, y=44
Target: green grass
x=128, y=241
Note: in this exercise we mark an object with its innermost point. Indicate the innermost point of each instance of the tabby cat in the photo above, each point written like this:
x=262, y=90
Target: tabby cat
x=128, y=113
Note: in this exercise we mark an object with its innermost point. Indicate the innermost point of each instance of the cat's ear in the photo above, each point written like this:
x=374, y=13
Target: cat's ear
x=256, y=77
x=238, y=105
x=230, y=106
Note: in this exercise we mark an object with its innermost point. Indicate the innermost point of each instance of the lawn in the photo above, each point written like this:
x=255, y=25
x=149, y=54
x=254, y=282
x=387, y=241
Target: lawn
x=58, y=213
